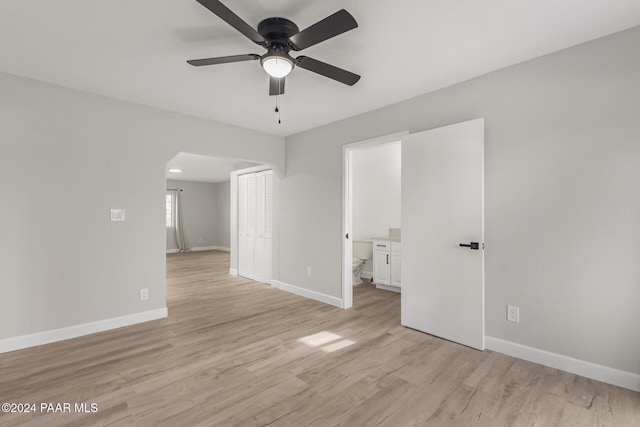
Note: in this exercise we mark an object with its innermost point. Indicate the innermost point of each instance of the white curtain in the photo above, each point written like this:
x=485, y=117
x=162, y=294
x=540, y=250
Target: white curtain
x=181, y=238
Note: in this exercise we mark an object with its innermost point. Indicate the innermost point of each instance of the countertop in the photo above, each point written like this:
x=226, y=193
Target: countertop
x=388, y=238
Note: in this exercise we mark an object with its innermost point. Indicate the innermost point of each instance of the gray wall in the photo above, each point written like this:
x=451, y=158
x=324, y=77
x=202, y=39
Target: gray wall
x=562, y=196
x=199, y=213
x=206, y=209
x=69, y=157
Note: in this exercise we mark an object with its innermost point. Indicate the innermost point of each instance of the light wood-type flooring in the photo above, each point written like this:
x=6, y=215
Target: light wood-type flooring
x=234, y=352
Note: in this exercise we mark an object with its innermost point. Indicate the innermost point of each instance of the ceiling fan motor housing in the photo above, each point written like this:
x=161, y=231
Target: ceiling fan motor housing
x=277, y=32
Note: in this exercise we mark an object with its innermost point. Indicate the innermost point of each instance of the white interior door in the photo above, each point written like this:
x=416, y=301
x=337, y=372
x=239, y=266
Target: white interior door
x=442, y=207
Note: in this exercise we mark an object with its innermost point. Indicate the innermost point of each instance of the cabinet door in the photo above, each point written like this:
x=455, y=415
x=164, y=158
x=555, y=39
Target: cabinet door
x=396, y=263
x=381, y=268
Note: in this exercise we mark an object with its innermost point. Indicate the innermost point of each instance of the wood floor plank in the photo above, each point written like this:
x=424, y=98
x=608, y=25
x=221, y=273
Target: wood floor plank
x=234, y=352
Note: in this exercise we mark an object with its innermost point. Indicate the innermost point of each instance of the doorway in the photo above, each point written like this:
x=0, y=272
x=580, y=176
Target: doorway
x=442, y=264
x=349, y=232
x=202, y=185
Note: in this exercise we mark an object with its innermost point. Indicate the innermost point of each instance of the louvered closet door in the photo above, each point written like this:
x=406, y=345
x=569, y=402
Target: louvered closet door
x=246, y=247
x=242, y=225
x=260, y=222
x=255, y=225
x=268, y=225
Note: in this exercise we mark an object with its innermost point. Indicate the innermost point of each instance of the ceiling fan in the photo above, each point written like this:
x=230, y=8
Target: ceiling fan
x=280, y=36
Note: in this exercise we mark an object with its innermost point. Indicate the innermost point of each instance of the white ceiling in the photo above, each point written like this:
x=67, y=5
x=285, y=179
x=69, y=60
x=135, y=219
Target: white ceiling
x=203, y=168
x=136, y=50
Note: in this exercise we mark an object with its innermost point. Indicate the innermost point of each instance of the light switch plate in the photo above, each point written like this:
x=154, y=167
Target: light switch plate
x=117, y=214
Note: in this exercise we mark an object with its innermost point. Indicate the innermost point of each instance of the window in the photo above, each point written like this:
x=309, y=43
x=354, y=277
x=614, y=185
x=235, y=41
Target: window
x=169, y=205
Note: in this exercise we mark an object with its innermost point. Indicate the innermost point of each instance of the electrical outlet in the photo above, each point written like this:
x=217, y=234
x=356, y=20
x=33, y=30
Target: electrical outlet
x=513, y=313
x=144, y=294
x=309, y=271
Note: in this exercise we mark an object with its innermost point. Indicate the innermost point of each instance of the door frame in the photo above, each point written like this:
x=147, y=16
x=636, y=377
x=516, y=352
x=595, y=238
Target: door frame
x=347, y=207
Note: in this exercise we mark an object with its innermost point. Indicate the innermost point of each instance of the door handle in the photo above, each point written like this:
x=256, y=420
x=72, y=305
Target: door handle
x=387, y=258
x=471, y=245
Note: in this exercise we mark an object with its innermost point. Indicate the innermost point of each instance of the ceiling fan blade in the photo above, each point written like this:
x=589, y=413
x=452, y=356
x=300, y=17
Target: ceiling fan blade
x=327, y=70
x=232, y=19
x=223, y=59
x=330, y=26
x=276, y=86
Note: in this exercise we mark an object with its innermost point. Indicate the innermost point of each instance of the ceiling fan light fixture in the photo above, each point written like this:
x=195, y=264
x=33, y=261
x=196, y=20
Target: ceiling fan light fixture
x=277, y=66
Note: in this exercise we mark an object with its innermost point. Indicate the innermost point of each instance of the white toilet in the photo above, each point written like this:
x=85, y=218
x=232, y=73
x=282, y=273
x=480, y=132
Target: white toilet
x=362, y=251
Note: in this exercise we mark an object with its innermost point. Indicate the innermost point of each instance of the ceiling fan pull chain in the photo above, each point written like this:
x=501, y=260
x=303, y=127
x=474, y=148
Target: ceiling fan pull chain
x=278, y=108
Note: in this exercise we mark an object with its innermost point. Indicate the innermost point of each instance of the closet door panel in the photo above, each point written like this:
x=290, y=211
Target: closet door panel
x=260, y=259
x=268, y=204
x=251, y=205
x=245, y=264
x=249, y=269
x=260, y=205
x=255, y=225
x=268, y=260
x=242, y=205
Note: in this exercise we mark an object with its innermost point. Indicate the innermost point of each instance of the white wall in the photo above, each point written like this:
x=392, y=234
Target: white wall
x=562, y=208
x=376, y=190
x=68, y=158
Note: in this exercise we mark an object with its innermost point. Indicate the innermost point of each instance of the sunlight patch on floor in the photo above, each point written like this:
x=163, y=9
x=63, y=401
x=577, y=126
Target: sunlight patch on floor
x=327, y=341
x=337, y=345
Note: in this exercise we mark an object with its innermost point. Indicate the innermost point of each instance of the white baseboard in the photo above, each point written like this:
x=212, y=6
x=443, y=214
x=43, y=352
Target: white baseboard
x=389, y=288
x=594, y=371
x=202, y=248
x=46, y=337
x=366, y=275
x=327, y=299
x=233, y=271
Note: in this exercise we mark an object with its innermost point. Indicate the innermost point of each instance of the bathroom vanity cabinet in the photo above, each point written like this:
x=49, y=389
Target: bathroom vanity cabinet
x=387, y=262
